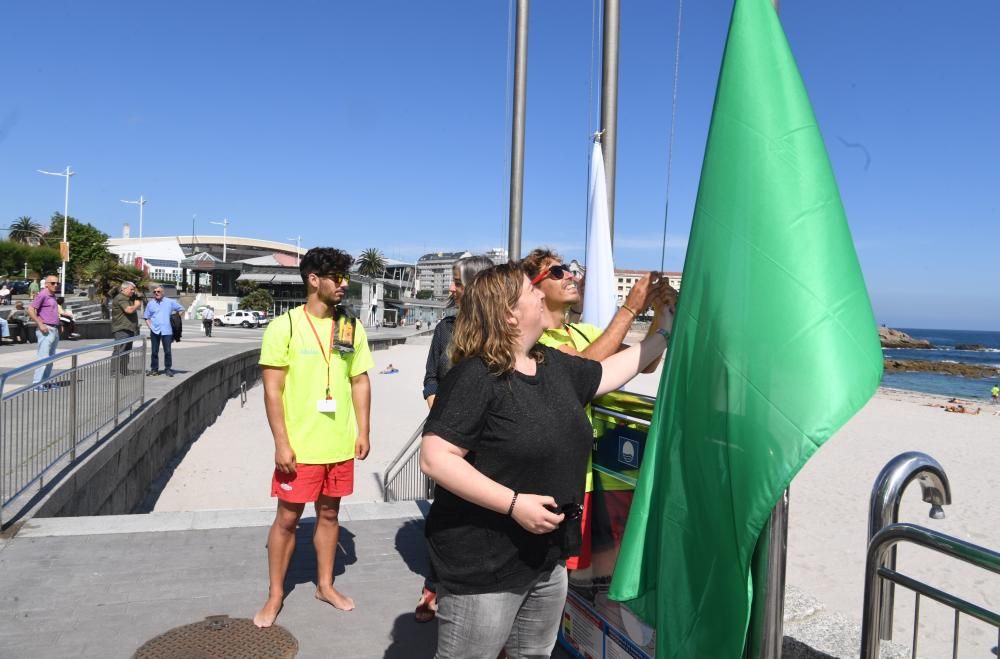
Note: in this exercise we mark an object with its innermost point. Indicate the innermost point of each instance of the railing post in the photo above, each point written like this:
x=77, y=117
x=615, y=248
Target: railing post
x=3, y=450
x=72, y=408
x=142, y=373
x=116, y=369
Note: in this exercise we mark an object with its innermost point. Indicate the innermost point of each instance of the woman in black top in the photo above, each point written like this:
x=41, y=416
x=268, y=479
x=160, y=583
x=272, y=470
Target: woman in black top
x=462, y=273
x=506, y=442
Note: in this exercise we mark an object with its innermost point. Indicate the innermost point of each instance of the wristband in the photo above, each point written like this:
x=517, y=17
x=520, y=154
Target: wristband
x=577, y=312
x=664, y=333
x=630, y=310
x=510, y=511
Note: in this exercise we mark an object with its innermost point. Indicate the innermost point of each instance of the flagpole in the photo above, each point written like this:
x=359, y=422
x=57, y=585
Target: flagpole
x=772, y=638
x=609, y=102
x=517, y=131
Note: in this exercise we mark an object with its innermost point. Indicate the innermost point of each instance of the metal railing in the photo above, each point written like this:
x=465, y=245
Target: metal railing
x=879, y=548
x=402, y=479
x=46, y=425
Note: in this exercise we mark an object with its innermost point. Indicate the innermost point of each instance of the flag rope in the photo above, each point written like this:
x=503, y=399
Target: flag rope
x=673, y=124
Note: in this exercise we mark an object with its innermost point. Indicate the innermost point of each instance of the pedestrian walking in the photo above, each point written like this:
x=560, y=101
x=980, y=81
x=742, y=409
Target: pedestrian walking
x=125, y=322
x=157, y=317
x=208, y=319
x=45, y=312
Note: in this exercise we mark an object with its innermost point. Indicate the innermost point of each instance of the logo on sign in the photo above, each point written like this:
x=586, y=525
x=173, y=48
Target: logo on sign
x=628, y=451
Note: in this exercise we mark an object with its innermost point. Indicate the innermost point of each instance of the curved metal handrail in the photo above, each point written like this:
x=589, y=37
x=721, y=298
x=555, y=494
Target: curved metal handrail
x=409, y=453
x=884, y=541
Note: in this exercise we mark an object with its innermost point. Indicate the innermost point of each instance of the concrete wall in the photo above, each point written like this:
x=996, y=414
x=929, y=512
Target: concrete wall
x=114, y=479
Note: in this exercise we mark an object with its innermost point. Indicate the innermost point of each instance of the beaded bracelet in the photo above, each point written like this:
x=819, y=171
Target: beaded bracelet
x=510, y=511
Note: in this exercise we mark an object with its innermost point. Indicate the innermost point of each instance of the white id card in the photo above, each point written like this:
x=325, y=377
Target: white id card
x=326, y=405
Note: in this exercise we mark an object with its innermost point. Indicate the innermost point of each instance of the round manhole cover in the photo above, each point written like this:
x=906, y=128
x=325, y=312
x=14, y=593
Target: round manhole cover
x=221, y=637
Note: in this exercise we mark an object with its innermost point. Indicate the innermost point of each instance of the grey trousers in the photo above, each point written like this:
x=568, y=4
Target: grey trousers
x=525, y=622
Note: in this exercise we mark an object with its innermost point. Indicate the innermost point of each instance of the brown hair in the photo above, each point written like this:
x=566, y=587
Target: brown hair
x=482, y=327
x=532, y=263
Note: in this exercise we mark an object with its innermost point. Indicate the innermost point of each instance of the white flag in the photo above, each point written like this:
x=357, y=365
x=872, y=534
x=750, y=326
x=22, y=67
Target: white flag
x=599, y=297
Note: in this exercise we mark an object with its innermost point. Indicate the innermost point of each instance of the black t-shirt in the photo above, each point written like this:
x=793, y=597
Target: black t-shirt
x=530, y=433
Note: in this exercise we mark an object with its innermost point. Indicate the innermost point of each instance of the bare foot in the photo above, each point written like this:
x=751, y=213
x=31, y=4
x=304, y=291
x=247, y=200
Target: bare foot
x=330, y=595
x=266, y=616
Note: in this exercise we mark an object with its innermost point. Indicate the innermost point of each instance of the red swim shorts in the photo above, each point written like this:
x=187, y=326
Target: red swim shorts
x=310, y=481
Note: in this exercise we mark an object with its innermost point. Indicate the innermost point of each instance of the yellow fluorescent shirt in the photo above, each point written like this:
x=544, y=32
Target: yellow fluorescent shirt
x=578, y=336
x=289, y=343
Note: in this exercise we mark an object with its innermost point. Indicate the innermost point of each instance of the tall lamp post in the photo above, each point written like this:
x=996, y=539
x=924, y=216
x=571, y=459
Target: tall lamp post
x=64, y=247
x=298, y=249
x=225, y=225
x=140, y=203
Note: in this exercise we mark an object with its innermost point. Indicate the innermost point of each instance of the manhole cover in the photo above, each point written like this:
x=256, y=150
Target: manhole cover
x=221, y=637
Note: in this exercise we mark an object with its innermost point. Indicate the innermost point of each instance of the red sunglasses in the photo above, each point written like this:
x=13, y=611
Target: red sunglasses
x=556, y=272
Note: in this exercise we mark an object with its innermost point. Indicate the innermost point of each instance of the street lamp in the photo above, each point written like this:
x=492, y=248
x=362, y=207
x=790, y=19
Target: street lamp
x=225, y=225
x=298, y=241
x=140, y=203
x=64, y=248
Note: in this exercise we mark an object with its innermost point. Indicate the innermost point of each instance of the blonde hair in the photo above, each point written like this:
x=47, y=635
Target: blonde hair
x=482, y=327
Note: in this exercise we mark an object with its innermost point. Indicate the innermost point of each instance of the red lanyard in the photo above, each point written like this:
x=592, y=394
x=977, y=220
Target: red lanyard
x=326, y=357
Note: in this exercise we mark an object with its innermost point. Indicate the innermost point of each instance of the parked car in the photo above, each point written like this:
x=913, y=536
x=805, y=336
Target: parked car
x=262, y=318
x=241, y=317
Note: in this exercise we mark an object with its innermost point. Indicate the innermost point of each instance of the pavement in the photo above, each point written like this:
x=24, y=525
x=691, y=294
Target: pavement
x=103, y=586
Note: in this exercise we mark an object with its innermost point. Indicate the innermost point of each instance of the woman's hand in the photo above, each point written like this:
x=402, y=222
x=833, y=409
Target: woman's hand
x=531, y=513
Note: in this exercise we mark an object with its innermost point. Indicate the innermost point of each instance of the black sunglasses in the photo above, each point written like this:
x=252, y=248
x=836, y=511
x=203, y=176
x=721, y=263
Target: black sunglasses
x=556, y=272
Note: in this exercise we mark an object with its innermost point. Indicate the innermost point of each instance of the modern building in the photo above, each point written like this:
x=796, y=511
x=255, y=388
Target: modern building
x=434, y=272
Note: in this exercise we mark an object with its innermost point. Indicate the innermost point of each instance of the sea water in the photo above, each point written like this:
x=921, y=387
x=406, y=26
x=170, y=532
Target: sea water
x=944, y=342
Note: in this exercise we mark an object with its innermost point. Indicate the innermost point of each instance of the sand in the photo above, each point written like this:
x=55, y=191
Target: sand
x=229, y=468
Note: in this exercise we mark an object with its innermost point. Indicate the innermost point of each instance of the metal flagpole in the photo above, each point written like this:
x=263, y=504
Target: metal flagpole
x=609, y=102
x=517, y=131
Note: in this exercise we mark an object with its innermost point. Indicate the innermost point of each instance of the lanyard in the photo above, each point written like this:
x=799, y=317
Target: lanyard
x=326, y=356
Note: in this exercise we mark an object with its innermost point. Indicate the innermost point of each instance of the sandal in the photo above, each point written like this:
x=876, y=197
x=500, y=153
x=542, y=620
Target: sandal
x=426, y=606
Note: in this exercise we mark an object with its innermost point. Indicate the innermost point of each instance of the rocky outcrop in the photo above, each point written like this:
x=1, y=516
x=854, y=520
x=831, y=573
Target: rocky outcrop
x=892, y=338
x=965, y=370
x=979, y=347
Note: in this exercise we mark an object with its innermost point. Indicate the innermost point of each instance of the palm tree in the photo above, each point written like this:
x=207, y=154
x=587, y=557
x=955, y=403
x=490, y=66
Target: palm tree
x=371, y=263
x=26, y=231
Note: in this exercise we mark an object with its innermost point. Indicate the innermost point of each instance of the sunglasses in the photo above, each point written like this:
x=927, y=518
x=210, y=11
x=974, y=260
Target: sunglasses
x=51, y=283
x=555, y=271
x=338, y=278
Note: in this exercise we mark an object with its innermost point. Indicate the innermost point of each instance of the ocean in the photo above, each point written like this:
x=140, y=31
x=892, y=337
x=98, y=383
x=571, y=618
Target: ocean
x=944, y=342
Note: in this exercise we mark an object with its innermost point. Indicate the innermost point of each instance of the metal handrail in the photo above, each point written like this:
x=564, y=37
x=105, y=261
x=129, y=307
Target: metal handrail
x=45, y=426
x=884, y=541
x=402, y=480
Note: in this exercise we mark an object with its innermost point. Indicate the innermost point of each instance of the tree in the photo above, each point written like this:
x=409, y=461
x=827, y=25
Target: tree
x=257, y=300
x=425, y=294
x=107, y=274
x=87, y=243
x=26, y=231
x=371, y=263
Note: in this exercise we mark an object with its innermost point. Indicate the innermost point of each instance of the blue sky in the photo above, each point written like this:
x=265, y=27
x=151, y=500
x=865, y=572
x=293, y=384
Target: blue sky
x=384, y=124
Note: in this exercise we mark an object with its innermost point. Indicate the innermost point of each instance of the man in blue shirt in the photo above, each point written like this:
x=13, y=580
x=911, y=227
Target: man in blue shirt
x=157, y=317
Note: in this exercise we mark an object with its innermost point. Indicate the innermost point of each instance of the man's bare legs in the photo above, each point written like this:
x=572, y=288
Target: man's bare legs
x=325, y=540
x=280, y=545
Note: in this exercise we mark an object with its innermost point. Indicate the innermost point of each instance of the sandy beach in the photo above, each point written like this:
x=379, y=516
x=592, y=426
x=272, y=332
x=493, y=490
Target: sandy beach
x=229, y=467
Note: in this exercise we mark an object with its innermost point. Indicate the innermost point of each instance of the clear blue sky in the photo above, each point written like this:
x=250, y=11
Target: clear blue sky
x=383, y=124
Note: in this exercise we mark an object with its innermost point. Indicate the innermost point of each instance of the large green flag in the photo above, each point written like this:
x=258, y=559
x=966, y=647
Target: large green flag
x=774, y=348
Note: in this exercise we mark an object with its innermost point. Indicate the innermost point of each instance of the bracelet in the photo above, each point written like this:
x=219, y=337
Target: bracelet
x=510, y=511
x=577, y=312
x=630, y=310
x=664, y=333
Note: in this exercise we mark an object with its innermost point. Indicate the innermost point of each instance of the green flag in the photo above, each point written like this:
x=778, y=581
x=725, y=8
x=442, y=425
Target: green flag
x=774, y=348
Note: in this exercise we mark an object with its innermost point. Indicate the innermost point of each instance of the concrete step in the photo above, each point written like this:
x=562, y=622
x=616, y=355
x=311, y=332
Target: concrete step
x=812, y=632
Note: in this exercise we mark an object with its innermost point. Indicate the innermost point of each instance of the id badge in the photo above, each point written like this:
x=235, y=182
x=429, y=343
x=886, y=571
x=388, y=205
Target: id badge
x=326, y=405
